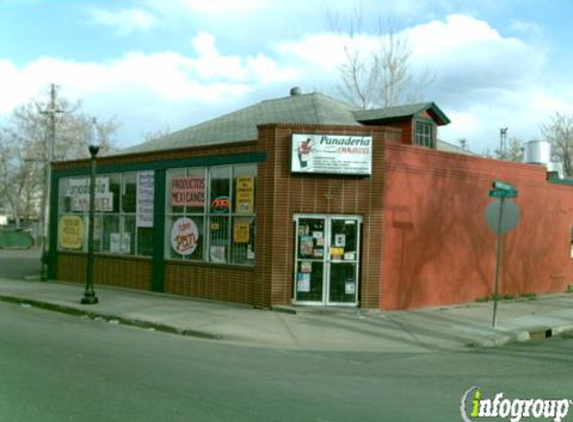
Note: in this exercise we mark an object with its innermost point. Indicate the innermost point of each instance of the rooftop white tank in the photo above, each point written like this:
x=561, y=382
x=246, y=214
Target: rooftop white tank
x=537, y=152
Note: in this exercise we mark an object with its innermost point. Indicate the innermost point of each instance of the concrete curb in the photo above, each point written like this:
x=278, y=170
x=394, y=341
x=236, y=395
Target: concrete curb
x=492, y=339
x=70, y=310
x=531, y=334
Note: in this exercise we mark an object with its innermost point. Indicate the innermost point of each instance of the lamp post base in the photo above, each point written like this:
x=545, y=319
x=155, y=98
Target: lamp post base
x=89, y=298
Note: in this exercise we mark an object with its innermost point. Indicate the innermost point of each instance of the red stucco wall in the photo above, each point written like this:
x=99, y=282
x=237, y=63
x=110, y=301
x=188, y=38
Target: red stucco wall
x=437, y=248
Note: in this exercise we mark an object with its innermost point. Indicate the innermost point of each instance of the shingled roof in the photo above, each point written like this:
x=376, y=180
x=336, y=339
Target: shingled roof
x=241, y=125
x=313, y=108
x=409, y=110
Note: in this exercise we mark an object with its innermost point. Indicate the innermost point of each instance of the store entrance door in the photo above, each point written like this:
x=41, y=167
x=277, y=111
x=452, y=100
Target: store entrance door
x=327, y=259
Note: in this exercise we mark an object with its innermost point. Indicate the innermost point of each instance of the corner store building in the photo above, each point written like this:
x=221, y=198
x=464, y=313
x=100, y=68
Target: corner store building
x=242, y=208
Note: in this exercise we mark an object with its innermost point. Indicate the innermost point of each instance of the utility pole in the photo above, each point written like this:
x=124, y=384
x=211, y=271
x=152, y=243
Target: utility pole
x=502, y=142
x=51, y=113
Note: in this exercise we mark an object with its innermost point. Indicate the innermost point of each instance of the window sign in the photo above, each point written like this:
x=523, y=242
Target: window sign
x=79, y=192
x=71, y=234
x=188, y=191
x=184, y=236
x=220, y=205
x=217, y=254
x=245, y=195
x=120, y=243
x=241, y=232
x=114, y=243
x=331, y=154
x=145, y=190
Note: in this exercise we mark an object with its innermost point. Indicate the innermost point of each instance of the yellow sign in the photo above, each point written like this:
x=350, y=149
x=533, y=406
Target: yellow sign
x=241, y=232
x=244, y=195
x=337, y=251
x=71, y=232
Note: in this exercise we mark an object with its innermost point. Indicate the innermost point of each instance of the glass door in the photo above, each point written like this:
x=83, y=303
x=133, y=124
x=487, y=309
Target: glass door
x=327, y=260
x=342, y=260
x=309, y=272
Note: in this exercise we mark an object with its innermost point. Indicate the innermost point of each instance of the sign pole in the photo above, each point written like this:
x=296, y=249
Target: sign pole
x=498, y=262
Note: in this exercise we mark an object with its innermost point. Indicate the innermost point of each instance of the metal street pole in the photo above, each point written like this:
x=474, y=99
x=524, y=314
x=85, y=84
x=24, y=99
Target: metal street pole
x=90, y=297
x=498, y=262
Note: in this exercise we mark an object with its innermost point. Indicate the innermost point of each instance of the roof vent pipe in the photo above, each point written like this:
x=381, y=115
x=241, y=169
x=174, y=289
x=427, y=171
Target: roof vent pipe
x=294, y=91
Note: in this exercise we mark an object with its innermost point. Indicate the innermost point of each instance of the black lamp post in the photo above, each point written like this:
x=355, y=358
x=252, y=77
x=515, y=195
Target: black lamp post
x=90, y=297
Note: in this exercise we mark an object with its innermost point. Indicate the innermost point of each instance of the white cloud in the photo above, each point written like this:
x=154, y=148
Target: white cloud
x=125, y=21
x=148, y=83
x=210, y=7
x=204, y=76
x=526, y=27
x=324, y=51
x=484, y=80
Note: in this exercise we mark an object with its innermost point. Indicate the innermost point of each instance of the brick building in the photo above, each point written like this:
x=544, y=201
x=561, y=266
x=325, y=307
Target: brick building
x=306, y=200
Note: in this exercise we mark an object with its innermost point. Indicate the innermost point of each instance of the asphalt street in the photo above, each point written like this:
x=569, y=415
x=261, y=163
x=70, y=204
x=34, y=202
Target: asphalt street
x=20, y=264
x=58, y=368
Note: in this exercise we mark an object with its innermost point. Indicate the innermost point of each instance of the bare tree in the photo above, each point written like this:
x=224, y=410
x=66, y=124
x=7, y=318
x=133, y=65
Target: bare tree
x=380, y=76
x=559, y=132
x=24, y=152
x=20, y=179
x=156, y=134
x=513, y=151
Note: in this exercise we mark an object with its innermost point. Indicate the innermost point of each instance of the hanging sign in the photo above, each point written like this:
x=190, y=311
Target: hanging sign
x=184, y=236
x=244, y=195
x=71, y=232
x=188, y=191
x=145, y=193
x=331, y=154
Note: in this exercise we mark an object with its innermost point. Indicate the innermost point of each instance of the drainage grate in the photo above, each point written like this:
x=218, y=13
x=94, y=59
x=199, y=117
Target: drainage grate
x=540, y=334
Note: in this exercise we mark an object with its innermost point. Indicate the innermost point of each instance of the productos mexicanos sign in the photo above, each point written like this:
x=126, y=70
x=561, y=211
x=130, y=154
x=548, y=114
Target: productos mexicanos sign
x=331, y=154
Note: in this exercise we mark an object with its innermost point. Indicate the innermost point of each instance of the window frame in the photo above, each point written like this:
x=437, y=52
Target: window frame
x=427, y=137
x=102, y=240
x=211, y=217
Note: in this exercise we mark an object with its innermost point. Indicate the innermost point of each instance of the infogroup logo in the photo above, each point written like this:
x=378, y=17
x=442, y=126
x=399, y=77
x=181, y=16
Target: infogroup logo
x=474, y=406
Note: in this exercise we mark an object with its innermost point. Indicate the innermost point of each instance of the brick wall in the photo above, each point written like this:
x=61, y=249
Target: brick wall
x=226, y=283
x=282, y=194
x=406, y=127
x=134, y=273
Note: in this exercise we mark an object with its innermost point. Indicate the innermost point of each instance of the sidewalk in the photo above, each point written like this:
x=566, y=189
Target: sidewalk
x=299, y=328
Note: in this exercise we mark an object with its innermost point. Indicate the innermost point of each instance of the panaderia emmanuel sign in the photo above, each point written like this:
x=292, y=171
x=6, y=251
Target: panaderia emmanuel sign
x=331, y=154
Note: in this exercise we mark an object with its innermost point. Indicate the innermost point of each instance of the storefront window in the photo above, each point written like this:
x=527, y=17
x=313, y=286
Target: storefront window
x=220, y=200
x=128, y=192
x=123, y=218
x=185, y=214
x=210, y=214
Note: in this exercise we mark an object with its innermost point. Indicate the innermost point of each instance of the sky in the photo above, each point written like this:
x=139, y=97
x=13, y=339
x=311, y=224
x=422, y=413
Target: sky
x=164, y=65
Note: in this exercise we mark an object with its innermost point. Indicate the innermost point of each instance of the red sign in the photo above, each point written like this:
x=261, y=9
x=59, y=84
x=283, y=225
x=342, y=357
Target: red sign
x=220, y=204
x=188, y=191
